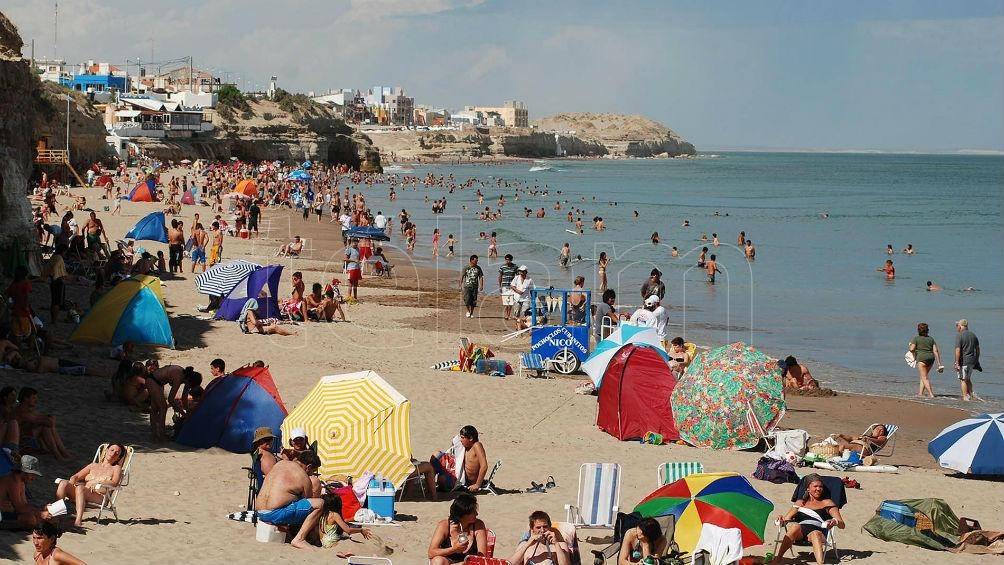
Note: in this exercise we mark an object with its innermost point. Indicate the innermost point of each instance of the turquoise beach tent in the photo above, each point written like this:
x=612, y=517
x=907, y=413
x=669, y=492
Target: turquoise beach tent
x=151, y=228
x=132, y=310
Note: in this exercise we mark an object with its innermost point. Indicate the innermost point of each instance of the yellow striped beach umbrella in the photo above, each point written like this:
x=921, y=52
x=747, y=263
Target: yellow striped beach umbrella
x=360, y=423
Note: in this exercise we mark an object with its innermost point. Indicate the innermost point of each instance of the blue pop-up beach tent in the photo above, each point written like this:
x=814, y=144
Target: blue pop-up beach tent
x=232, y=408
x=262, y=278
x=151, y=228
x=133, y=310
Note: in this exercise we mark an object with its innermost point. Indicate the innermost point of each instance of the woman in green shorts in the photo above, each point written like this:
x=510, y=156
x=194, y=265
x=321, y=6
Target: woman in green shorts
x=925, y=351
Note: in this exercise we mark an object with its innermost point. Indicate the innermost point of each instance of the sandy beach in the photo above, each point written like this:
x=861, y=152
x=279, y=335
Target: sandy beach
x=174, y=510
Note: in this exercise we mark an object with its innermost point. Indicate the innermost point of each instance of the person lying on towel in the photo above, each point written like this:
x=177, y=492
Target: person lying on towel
x=464, y=464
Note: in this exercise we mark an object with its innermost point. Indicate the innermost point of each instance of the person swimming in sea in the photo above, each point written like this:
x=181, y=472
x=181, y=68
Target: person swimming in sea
x=932, y=287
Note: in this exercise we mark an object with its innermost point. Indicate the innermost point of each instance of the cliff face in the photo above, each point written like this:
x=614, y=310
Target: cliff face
x=19, y=93
x=87, y=126
x=542, y=145
x=630, y=136
x=265, y=130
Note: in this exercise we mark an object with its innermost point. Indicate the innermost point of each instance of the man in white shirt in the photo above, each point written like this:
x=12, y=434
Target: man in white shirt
x=380, y=221
x=346, y=221
x=653, y=315
x=521, y=286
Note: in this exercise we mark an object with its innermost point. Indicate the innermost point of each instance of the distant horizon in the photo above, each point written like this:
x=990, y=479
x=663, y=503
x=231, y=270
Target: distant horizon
x=888, y=75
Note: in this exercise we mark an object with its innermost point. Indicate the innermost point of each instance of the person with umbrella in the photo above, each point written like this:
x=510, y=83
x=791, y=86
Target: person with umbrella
x=810, y=519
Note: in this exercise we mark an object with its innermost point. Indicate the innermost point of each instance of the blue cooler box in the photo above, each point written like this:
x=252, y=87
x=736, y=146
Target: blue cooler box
x=898, y=512
x=380, y=498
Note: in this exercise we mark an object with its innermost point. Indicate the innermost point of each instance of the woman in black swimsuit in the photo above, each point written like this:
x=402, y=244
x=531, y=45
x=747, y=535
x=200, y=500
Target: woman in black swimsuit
x=810, y=519
x=460, y=535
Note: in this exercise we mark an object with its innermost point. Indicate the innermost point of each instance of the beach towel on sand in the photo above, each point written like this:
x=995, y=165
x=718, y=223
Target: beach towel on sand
x=451, y=461
x=249, y=516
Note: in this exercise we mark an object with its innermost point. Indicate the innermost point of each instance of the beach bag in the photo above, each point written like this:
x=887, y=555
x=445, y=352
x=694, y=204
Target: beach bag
x=350, y=503
x=775, y=471
x=897, y=512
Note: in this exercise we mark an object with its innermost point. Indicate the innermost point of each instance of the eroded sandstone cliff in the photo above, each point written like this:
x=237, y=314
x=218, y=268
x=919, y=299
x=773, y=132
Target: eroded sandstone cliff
x=19, y=93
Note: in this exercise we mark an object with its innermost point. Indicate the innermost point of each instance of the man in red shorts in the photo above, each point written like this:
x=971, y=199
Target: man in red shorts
x=352, y=267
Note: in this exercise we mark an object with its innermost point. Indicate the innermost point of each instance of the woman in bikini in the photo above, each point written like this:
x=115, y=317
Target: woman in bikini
x=43, y=537
x=810, y=519
x=460, y=535
x=493, y=246
x=601, y=263
x=90, y=483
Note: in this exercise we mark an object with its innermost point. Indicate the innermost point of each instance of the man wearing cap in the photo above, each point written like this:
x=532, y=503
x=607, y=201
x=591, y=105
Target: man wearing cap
x=261, y=446
x=653, y=285
x=521, y=286
x=653, y=315
x=15, y=512
x=287, y=497
x=299, y=444
x=967, y=357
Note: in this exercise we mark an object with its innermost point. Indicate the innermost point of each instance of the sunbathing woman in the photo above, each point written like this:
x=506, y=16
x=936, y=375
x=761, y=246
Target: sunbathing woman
x=797, y=375
x=643, y=541
x=90, y=483
x=38, y=430
x=810, y=519
x=865, y=443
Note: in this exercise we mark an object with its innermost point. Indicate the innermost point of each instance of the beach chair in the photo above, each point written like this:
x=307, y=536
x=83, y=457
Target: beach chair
x=598, y=497
x=889, y=447
x=672, y=471
x=255, y=478
x=833, y=488
x=360, y=560
x=413, y=477
x=111, y=495
x=761, y=431
x=627, y=521
x=532, y=362
x=488, y=485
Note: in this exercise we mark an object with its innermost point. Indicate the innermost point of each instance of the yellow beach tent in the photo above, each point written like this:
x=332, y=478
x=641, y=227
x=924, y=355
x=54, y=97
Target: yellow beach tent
x=360, y=423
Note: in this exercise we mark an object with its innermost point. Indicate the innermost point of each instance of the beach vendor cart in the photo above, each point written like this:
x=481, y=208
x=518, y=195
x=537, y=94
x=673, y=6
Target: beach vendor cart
x=559, y=332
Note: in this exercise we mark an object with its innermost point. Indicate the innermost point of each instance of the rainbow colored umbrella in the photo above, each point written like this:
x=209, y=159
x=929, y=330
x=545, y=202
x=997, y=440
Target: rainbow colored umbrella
x=726, y=500
x=713, y=400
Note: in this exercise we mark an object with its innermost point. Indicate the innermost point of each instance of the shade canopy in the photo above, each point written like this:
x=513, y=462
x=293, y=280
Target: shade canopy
x=133, y=310
x=150, y=228
x=361, y=424
x=596, y=364
x=973, y=446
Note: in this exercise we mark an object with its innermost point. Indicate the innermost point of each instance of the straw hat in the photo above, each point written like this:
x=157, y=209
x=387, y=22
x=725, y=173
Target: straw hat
x=263, y=433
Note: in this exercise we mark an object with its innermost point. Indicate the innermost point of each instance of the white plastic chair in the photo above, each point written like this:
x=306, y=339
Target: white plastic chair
x=111, y=493
x=598, y=498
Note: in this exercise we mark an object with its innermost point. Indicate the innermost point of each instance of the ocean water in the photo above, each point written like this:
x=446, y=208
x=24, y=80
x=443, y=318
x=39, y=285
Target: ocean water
x=812, y=292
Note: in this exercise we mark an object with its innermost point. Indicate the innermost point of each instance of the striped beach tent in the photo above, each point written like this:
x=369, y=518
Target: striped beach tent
x=220, y=279
x=361, y=424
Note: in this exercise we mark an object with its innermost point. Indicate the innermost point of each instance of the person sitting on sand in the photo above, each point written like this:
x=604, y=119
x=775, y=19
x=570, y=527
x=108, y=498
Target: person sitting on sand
x=797, y=375
x=443, y=471
x=43, y=537
x=332, y=529
x=285, y=497
x=877, y=436
x=545, y=544
x=38, y=431
x=291, y=249
x=679, y=356
x=15, y=510
x=10, y=429
x=90, y=483
x=643, y=541
x=460, y=535
x=313, y=302
x=329, y=306
x=810, y=518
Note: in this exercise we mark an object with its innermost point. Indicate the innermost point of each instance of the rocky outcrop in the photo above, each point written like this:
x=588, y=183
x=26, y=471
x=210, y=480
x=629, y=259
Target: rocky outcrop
x=19, y=95
x=544, y=145
x=87, y=125
x=622, y=135
x=265, y=130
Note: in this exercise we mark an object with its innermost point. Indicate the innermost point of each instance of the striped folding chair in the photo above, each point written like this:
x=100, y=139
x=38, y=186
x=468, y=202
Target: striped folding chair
x=532, y=364
x=598, y=497
x=672, y=471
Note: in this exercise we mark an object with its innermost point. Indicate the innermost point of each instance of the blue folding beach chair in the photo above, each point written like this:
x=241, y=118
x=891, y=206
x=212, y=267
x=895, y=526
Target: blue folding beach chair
x=599, y=496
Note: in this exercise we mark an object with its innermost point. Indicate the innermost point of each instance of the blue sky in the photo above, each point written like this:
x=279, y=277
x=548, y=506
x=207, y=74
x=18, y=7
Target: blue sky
x=893, y=75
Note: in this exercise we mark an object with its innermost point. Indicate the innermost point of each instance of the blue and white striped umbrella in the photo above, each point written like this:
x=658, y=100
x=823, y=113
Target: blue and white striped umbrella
x=973, y=446
x=596, y=365
x=219, y=280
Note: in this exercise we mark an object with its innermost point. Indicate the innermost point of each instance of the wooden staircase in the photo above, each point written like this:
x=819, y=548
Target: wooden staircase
x=57, y=157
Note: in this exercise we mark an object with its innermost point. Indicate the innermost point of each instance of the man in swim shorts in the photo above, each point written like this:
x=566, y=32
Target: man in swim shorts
x=286, y=493
x=967, y=357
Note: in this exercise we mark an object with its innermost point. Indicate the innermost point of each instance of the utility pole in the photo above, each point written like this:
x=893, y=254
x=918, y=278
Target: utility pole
x=55, y=33
x=68, y=99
